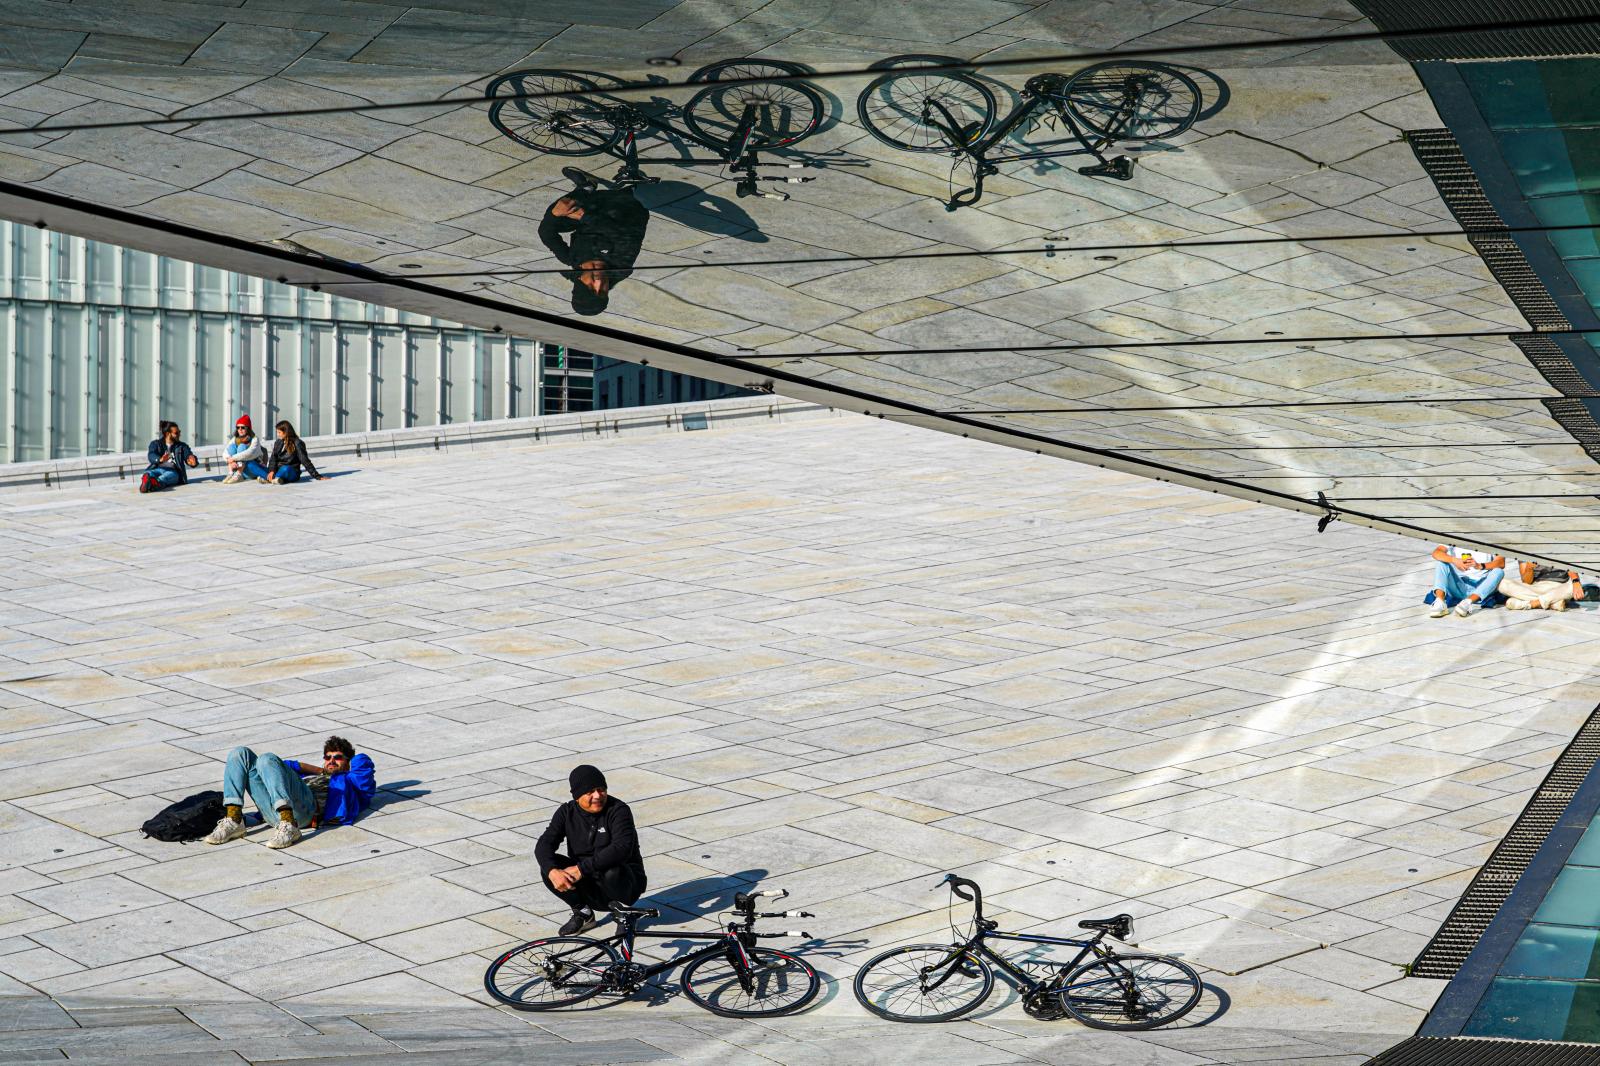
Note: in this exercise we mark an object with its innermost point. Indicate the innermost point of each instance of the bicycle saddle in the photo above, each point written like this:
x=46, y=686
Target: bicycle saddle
x=639, y=912
x=1120, y=927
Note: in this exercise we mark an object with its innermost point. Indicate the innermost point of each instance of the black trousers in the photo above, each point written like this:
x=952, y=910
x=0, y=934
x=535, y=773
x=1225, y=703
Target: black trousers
x=596, y=892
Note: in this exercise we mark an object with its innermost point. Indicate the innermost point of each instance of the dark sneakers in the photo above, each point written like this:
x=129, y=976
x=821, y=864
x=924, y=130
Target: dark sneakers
x=580, y=921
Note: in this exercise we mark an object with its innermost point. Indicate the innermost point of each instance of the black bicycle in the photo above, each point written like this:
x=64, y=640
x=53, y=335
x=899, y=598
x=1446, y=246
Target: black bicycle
x=737, y=122
x=938, y=982
x=730, y=976
x=918, y=110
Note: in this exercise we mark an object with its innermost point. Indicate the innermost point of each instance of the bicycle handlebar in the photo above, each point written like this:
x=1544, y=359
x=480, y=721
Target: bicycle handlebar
x=958, y=884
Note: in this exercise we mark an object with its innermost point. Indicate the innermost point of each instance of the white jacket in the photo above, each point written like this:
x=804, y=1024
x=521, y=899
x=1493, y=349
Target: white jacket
x=250, y=451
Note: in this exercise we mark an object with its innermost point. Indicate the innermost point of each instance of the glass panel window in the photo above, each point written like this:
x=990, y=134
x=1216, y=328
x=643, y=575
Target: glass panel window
x=1553, y=951
x=1526, y=1010
x=1574, y=898
x=1587, y=853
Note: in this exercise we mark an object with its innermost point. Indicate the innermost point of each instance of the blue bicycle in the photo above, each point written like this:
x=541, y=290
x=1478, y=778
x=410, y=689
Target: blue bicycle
x=938, y=982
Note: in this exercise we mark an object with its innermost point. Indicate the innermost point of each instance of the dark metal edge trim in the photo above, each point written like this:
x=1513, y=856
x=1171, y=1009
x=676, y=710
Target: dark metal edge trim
x=1507, y=871
x=1420, y=14
x=1480, y=1051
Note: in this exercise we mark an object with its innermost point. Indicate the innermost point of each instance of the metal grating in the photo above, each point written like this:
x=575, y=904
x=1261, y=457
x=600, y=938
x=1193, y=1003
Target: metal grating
x=1504, y=44
x=1481, y=1051
x=1481, y=901
x=1548, y=358
x=1576, y=418
x=1458, y=186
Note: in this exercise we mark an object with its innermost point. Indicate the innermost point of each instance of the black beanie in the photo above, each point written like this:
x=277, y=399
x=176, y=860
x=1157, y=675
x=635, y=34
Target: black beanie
x=584, y=779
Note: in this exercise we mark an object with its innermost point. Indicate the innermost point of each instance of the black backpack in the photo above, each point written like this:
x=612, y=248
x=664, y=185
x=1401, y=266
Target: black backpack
x=186, y=820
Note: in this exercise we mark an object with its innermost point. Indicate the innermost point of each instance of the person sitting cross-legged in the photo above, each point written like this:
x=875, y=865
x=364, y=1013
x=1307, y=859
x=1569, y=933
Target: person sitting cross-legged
x=1463, y=578
x=602, y=861
x=300, y=795
x=245, y=453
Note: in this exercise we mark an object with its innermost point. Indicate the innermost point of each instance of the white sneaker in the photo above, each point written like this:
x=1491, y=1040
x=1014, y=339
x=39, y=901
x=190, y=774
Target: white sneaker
x=1517, y=605
x=233, y=478
x=262, y=480
x=1439, y=609
x=1558, y=605
x=1466, y=607
x=227, y=829
x=284, y=834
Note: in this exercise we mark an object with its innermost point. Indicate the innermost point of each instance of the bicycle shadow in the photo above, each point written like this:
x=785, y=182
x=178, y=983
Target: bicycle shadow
x=689, y=205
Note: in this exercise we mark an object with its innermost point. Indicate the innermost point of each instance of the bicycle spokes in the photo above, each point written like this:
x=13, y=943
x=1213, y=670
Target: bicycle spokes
x=772, y=982
x=923, y=983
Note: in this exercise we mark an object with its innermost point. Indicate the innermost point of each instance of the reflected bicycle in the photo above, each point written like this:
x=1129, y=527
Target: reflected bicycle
x=1098, y=107
x=729, y=976
x=737, y=122
x=939, y=982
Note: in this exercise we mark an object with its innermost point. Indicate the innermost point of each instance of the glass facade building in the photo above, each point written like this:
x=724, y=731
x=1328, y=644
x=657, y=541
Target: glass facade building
x=98, y=343
x=622, y=384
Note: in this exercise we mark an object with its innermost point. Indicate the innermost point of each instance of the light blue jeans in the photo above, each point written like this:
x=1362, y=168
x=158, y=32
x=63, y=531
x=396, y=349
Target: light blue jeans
x=1458, y=586
x=271, y=784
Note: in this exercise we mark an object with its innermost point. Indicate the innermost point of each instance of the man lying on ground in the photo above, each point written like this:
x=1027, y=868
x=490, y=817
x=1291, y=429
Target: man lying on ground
x=301, y=795
x=1536, y=587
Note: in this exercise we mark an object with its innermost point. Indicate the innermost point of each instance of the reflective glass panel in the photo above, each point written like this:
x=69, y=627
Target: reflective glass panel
x=1587, y=853
x=1527, y=1010
x=1574, y=898
x=1553, y=951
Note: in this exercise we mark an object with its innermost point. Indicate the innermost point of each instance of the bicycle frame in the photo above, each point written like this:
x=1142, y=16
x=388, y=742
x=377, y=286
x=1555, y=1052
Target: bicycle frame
x=733, y=941
x=986, y=165
x=737, y=155
x=977, y=944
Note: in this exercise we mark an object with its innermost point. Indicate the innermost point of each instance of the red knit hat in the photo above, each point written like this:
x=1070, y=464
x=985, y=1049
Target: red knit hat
x=244, y=420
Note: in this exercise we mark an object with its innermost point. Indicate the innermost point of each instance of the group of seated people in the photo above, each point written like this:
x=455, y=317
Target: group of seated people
x=1465, y=581
x=170, y=459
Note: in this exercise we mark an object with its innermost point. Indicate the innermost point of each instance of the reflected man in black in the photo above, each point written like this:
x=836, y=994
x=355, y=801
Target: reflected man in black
x=607, y=229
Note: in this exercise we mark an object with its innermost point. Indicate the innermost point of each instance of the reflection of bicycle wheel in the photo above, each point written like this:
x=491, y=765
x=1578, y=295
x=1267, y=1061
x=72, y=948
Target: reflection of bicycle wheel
x=776, y=983
x=559, y=125
x=916, y=59
x=899, y=109
x=1133, y=101
x=785, y=112
x=547, y=974
x=1131, y=992
x=732, y=69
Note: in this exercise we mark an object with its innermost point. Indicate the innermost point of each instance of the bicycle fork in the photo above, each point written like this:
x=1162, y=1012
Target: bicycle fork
x=743, y=161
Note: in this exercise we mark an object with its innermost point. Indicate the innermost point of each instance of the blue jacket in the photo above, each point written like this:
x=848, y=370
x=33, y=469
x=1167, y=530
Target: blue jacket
x=349, y=793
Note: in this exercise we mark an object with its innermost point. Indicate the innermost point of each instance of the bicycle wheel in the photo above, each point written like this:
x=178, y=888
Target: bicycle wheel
x=778, y=983
x=548, y=974
x=1130, y=992
x=785, y=112
x=558, y=125
x=892, y=985
x=1133, y=101
x=731, y=69
x=894, y=108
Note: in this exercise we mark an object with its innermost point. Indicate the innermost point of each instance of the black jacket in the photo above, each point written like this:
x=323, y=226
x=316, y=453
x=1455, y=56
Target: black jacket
x=295, y=457
x=594, y=841
x=611, y=230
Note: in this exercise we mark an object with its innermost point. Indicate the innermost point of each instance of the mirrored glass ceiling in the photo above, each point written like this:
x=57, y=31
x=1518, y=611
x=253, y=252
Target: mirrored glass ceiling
x=1227, y=267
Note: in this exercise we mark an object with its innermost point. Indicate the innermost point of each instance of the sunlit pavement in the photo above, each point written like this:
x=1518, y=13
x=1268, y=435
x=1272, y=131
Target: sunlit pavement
x=840, y=657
